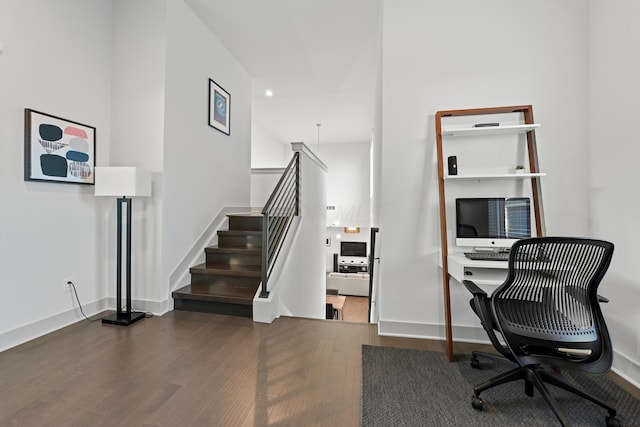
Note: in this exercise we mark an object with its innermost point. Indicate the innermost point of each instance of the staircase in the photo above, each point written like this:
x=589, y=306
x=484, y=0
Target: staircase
x=228, y=280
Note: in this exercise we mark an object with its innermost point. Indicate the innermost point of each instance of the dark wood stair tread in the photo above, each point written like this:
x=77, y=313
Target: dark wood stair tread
x=217, y=293
x=240, y=232
x=233, y=250
x=222, y=270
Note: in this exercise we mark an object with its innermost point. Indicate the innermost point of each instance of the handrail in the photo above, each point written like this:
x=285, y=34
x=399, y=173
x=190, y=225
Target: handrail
x=277, y=215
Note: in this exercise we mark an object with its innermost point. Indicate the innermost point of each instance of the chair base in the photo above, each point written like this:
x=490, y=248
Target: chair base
x=535, y=376
x=490, y=356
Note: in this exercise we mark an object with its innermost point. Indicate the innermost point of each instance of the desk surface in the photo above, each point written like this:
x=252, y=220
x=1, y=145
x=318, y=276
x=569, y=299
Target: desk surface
x=461, y=268
x=336, y=300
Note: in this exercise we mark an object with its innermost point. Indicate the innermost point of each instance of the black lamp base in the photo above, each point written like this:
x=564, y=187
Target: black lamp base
x=122, y=319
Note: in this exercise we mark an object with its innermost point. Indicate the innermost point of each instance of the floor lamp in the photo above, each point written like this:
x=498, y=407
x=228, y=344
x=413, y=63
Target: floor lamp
x=124, y=183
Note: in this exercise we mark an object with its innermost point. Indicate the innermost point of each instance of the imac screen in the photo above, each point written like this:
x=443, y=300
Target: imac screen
x=493, y=218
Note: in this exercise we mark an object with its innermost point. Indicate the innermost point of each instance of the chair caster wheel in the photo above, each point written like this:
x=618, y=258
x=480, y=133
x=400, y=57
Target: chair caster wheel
x=612, y=421
x=475, y=363
x=477, y=403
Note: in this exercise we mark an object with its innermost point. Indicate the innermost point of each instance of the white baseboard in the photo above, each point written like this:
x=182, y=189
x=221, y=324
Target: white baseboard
x=393, y=328
x=157, y=308
x=627, y=368
x=50, y=324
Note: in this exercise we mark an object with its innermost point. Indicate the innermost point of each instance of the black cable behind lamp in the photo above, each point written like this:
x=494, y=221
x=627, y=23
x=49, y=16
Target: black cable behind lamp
x=124, y=183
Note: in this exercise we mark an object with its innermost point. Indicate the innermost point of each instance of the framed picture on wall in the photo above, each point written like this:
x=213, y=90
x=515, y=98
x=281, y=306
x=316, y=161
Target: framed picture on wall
x=57, y=149
x=219, y=108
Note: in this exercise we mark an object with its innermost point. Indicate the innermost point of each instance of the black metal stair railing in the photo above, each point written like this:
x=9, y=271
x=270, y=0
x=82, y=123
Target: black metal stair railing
x=277, y=215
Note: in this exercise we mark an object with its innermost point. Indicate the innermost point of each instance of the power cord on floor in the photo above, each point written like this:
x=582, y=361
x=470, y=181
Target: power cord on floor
x=133, y=310
x=75, y=292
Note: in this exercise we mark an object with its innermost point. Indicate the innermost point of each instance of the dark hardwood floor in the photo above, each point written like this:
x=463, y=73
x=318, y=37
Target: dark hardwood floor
x=193, y=369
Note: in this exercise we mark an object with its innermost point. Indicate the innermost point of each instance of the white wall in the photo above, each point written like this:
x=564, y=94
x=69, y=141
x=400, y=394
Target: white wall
x=297, y=283
x=204, y=169
x=137, y=110
x=614, y=90
x=263, y=182
x=460, y=54
x=139, y=71
x=266, y=150
x=376, y=177
x=347, y=183
x=56, y=59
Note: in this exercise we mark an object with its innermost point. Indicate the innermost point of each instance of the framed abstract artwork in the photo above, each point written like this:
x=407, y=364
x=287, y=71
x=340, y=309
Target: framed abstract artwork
x=219, y=108
x=57, y=149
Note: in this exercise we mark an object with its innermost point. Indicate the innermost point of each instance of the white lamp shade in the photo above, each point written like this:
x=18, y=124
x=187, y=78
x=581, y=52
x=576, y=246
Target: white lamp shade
x=122, y=181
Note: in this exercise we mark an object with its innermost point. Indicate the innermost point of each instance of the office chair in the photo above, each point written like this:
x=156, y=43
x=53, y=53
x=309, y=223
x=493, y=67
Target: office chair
x=547, y=313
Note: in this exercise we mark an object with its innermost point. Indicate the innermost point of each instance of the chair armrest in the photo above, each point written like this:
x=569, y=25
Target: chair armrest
x=480, y=305
x=473, y=288
x=602, y=299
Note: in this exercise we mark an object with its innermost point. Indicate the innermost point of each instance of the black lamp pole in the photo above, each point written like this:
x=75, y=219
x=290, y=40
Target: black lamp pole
x=120, y=317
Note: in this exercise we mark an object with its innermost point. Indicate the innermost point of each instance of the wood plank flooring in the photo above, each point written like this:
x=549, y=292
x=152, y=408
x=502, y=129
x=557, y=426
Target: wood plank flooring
x=356, y=309
x=192, y=369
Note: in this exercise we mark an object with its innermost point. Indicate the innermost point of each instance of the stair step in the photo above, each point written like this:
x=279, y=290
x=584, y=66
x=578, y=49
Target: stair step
x=245, y=222
x=229, y=279
x=234, y=251
x=240, y=239
x=233, y=258
x=247, y=271
x=207, y=298
x=226, y=280
x=217, y=293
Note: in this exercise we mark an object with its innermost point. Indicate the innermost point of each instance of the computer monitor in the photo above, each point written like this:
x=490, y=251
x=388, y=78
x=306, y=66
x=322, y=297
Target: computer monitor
x=492, y=222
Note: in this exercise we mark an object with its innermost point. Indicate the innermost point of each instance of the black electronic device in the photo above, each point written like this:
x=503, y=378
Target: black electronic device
x=353, y=249
x=453, y=165
x=335, y=263
x=487, y=256
x=353, y=268
x=495, y=222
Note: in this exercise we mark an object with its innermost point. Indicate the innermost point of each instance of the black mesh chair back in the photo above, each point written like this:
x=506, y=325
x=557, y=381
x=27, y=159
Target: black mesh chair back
x=548, y=308
x=547, y=313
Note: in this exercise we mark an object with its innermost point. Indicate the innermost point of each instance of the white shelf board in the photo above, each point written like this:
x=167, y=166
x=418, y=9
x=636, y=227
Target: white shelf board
x=497, y=176
x=486, y=282
x=489, y=130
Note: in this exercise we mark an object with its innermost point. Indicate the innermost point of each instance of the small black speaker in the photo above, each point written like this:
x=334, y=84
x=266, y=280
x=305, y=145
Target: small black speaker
x=335, y=263
x=453, y=165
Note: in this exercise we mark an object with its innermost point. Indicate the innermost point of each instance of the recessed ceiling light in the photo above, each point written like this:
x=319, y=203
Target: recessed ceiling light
x=268, y=93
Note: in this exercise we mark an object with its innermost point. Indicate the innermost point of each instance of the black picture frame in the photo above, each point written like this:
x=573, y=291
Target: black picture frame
x=58, y=149
x=219, y=108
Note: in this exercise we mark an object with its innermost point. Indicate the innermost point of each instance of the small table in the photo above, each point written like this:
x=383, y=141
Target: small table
x=338, y=302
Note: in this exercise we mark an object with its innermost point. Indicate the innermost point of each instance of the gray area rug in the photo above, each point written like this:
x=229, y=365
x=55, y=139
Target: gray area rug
x=403, y=387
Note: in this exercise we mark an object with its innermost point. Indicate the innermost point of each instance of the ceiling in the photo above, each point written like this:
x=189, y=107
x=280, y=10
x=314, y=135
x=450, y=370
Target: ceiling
x=318, y=57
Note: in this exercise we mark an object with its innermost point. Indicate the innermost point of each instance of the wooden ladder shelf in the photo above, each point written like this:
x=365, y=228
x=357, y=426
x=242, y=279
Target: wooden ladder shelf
x=528, y=126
